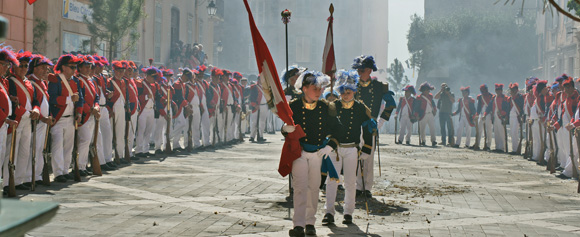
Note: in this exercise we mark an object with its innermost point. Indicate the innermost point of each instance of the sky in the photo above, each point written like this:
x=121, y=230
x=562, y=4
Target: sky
x=400, y=12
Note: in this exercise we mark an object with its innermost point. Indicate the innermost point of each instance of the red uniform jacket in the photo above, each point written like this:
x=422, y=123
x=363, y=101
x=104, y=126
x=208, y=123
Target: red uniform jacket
x=59, y=93
x=143, y=89
x=116, y=93
x=91, y=97
x=40, y=92
x=420, y=105
x=4, y=102
x=133, y=95
x=402, y=103
x=15, y=90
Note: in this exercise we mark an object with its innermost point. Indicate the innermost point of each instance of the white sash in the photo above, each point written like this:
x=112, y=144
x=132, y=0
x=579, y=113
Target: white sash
x=465, y=109
x=118, y=88
x=516, y=107
x=408, y=106
x=88, y=87
x=65, y=82
x=22, y=87
x=192, y=89
x=149, y=89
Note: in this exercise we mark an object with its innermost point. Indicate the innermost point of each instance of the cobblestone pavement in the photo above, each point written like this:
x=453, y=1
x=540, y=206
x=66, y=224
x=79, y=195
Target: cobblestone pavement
x=423, y=191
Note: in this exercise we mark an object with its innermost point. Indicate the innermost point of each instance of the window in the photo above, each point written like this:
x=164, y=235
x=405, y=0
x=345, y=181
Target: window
x=189, y=29
x=157, y=29
x=174, y=25
x=303, y=48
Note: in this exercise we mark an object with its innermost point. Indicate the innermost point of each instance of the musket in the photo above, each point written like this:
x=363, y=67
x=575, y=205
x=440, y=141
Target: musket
x=11, y=184
x=77, y=174
x=396, y=142
x=226, y=124
x=168, y=128
x=127, y=122
x=504, y=123
x=93, y=150
x=190, y=133
x=419, y=131
x=477, y=136
x=46, y=155
x=552, y=159
x=519, y=149
x=33, y=182
x=531, y=136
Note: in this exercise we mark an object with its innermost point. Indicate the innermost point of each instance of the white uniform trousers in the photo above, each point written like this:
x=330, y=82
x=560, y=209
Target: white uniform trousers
x=563, y=140
x=215, y=131
x=132, y=132
x=514, y=129
x=4, y=154
x=536, y=139
x=499, y=133
x=39, y=158
x=62, y=145
x=463, y=126
x=180, y=127
x=306, y=181
x=85, y=133
x=236, y=126
x=428, y=120
x=481, y=124
x=406, y=128
x=196, y=129
x=205, y=127
x=569, y=166
x=22, y=150
x=159, y=132
x=221, y=123
x=231, y=124
x=258, y=124
x=347, y=160
x=106, y=136
x=119, y=129
x=146, y=121
x=368, y=163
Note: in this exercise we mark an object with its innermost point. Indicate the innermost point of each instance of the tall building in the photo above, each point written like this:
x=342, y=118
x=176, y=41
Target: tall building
x=558, y=45
x=359, y=28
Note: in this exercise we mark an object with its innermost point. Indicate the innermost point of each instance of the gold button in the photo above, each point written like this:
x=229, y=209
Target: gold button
x=319, y=123
x=348, y=133
x=306, y=139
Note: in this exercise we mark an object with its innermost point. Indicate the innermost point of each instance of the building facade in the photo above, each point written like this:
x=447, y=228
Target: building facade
x=164, y=23
x=558, y=45
x=20, y=17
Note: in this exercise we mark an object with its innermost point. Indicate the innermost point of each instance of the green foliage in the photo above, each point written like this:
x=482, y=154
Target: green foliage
x=397, y=80
x=113, y=20
x=573, y=5
x=39, y=32
x=472, y=48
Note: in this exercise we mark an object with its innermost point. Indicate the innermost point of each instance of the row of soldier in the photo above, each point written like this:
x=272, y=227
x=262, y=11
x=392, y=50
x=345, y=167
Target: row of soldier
x=71, y=115
x=543, y=115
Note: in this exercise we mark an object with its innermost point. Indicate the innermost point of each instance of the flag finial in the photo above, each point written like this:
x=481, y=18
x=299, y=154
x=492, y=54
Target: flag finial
x=331, y=9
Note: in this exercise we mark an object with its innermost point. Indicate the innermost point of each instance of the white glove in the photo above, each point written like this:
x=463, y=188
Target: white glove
x=325, y=151
x=364, y=156
x=288, y=128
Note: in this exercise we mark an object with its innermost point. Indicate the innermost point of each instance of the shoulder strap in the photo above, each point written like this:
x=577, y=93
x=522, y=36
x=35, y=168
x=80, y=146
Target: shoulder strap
x=87, y=86
x=118, y=88
x=66, y=84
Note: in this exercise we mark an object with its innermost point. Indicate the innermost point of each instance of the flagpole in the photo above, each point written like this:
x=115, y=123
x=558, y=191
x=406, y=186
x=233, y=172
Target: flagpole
x=286, y=14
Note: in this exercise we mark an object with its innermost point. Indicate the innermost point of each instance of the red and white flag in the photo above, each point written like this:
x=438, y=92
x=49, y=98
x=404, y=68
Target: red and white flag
x=275, y=97
x=328, y=61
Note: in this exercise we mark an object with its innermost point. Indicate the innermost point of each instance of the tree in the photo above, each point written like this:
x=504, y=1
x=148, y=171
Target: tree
x=397, y=79
x=39, y=32
x=112, y=21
